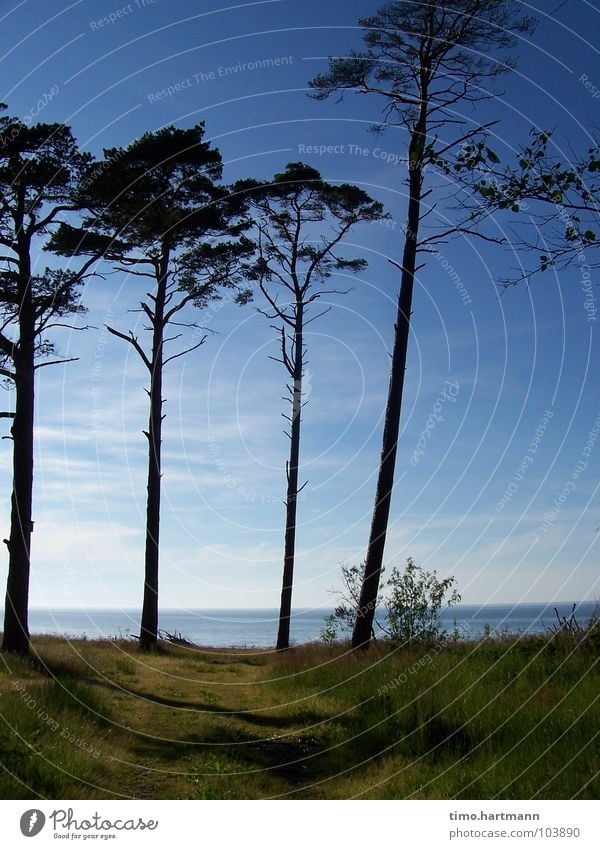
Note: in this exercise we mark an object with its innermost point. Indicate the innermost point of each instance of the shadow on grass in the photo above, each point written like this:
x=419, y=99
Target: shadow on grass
x=227, y=751
x=64, y=672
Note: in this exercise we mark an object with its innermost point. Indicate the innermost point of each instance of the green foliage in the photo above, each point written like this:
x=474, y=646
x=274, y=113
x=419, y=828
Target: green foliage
x=339, y=624
x=289, y=212
x=39, y=164
x=329, y=631
x=564, y=192
x=460, y=34
x=412, y=600
x=40, y=168
x=157, y=202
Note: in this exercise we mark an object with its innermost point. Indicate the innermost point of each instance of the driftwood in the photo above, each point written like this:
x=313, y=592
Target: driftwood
x=177, y=638
x=566, y=626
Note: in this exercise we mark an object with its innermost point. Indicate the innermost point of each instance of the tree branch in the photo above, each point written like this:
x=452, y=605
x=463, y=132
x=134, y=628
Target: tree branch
x=56, y=362
x=134, y=342
x=183, y=353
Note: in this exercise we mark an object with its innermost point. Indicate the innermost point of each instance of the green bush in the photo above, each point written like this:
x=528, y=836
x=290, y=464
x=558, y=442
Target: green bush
x=412, y=601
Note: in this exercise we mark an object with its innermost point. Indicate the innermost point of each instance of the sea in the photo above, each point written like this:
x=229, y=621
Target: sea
x=258, y=628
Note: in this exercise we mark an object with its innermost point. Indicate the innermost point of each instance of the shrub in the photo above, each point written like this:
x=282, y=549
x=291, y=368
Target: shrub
x=412, y=601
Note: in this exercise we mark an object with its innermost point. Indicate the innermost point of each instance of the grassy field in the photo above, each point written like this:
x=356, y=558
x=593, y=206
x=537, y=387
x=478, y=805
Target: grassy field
x=516, y=718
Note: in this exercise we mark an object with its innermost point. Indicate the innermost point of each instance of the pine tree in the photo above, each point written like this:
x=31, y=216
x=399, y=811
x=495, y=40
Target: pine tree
x=424, y=60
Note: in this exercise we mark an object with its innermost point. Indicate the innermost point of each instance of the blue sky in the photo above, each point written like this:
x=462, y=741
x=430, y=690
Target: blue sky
x=494, y=365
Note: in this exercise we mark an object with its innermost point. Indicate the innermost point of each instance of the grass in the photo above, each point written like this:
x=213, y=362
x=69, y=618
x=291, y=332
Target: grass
x=507, y=719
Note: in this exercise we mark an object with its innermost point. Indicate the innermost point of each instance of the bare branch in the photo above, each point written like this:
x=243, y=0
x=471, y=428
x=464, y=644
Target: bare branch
x=78, y=327
x=278, y=310
x=319, y=315
x=42, y=223
x=187, y=351
x=453, y=231
x=56, y=362
x=134, y=342
x=178, y=307
x=129, y=271
x=482, y=128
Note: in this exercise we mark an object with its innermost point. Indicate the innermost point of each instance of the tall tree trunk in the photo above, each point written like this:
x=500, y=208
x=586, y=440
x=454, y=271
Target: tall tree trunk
x=149, y=624
x=283, y=635
x=16, y=629
x=363, y=624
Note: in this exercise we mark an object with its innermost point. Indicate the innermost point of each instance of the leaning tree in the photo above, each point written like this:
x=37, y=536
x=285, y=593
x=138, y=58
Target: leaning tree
x=40, y=167
x=181, y=233
x=426, y=61
x=301, y=222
